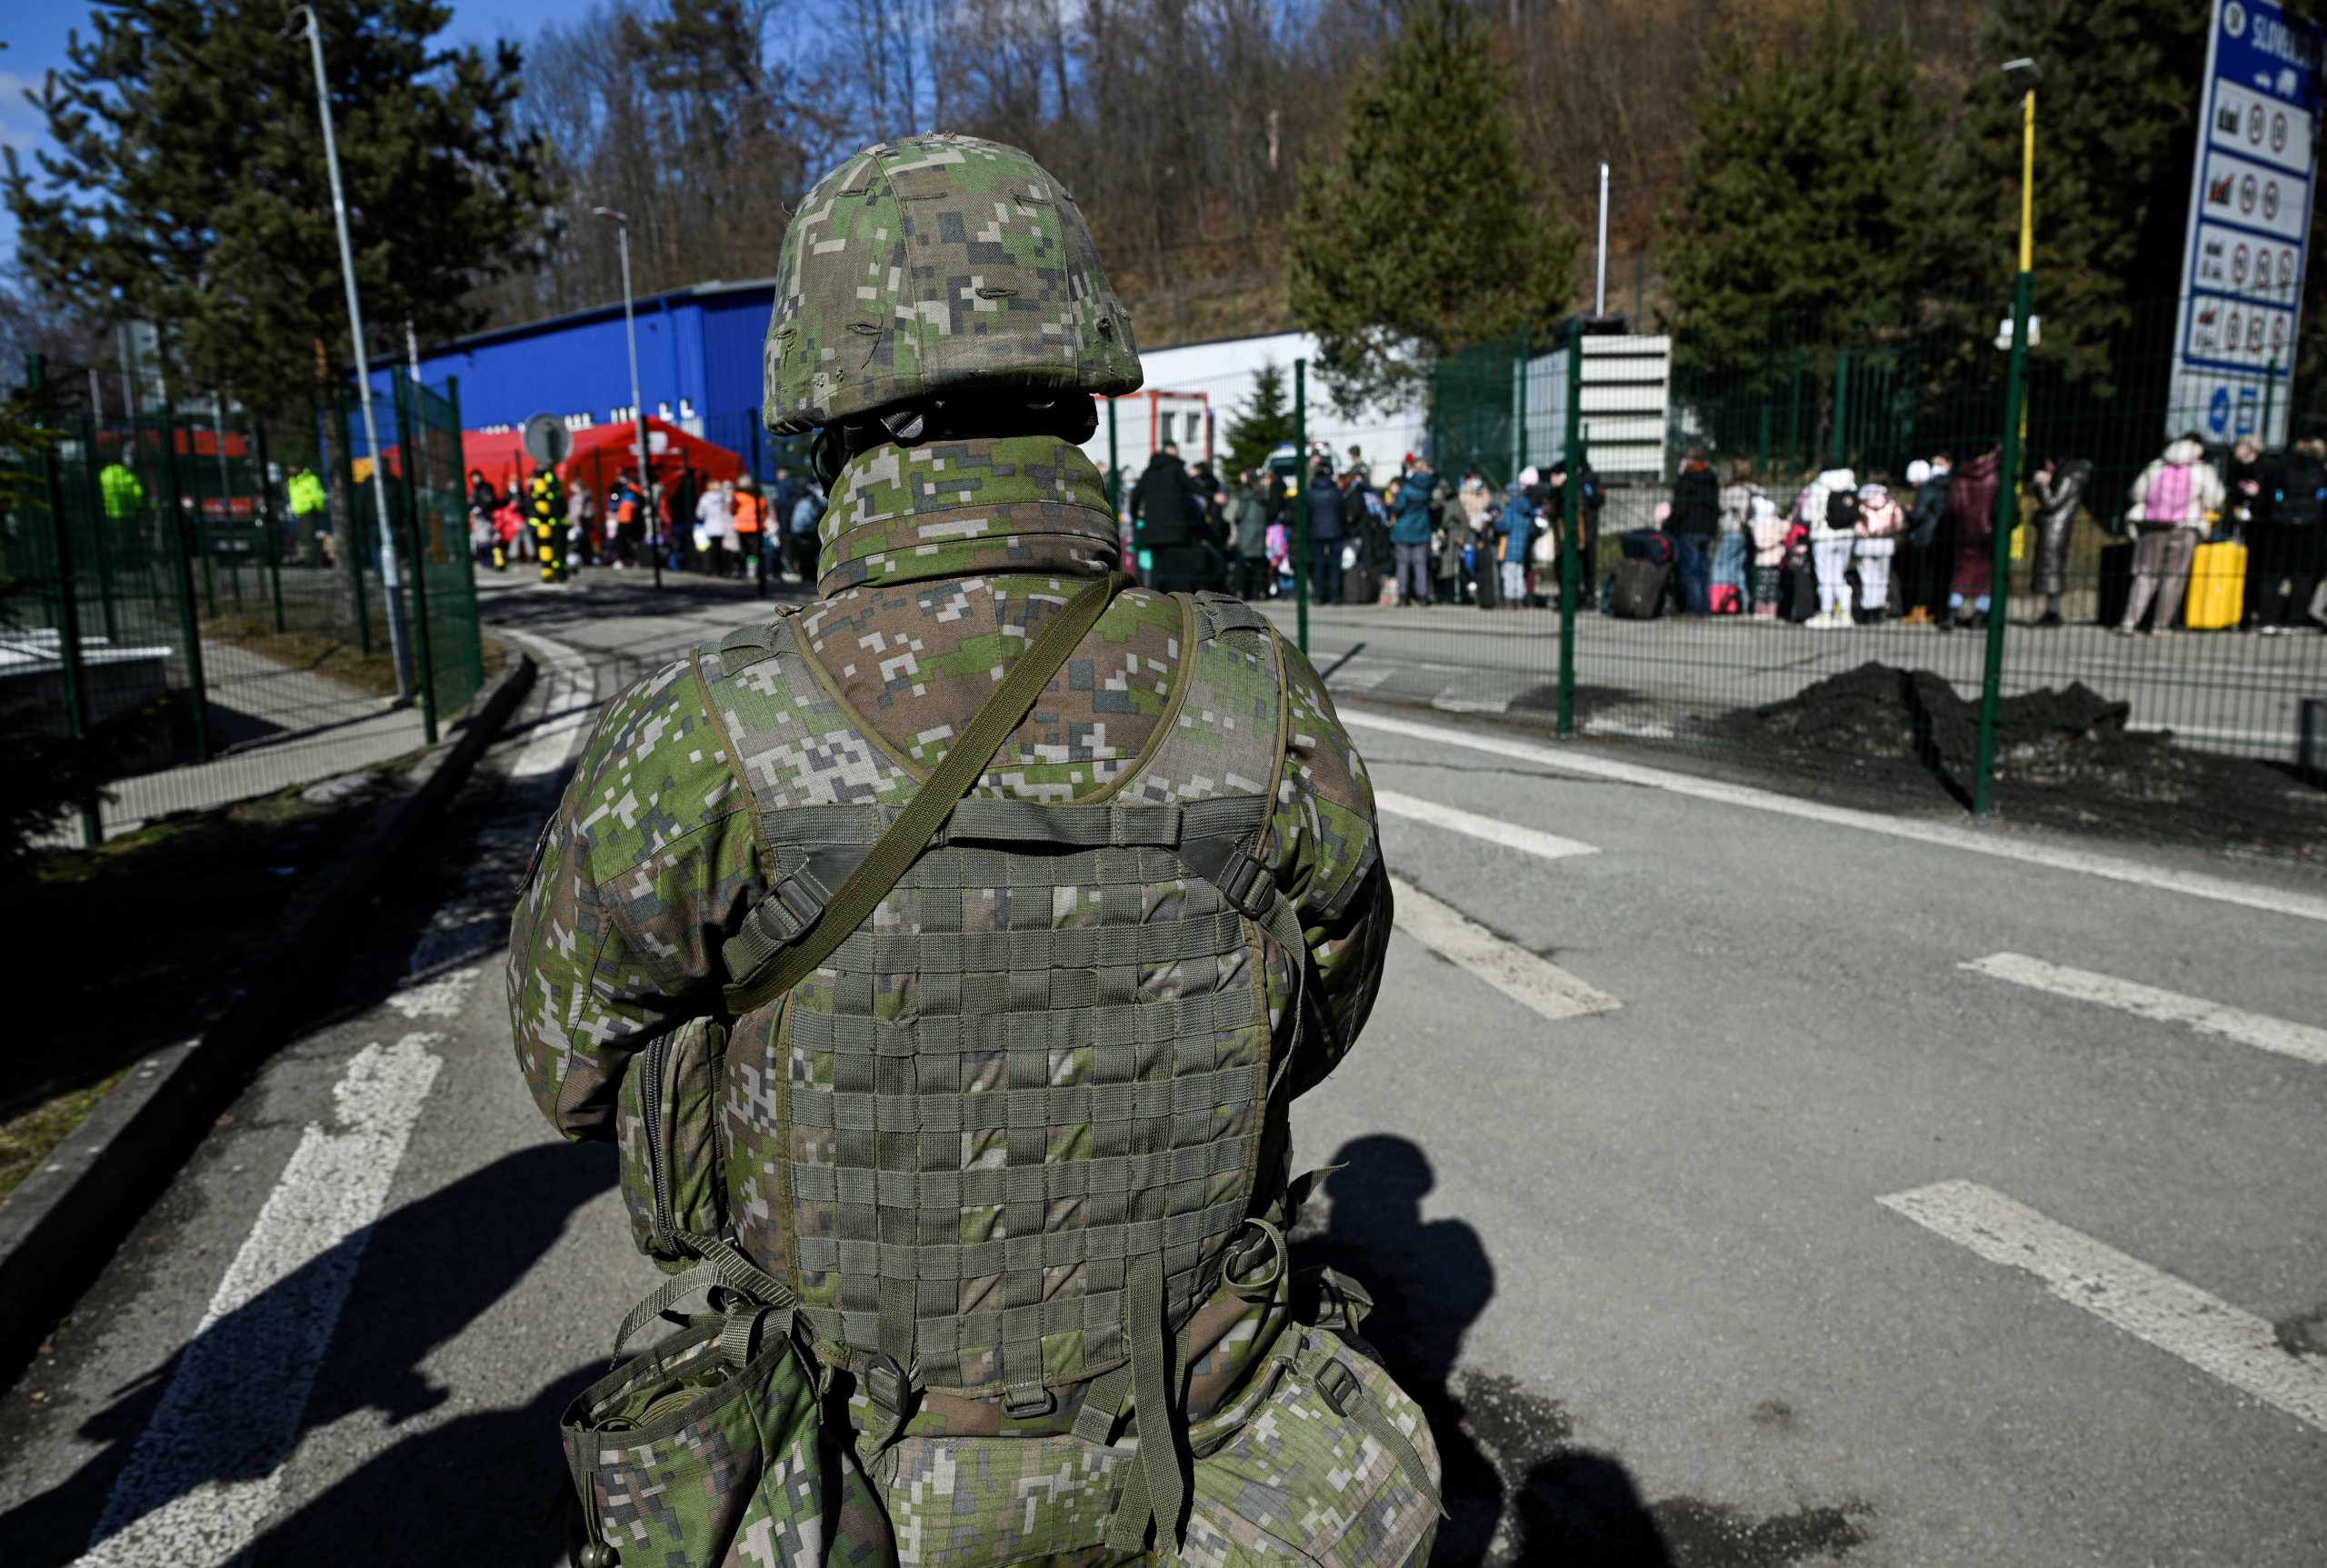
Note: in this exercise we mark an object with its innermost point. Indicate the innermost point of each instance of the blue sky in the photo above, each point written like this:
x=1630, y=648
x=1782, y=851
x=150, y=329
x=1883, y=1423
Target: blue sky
x=36, y=37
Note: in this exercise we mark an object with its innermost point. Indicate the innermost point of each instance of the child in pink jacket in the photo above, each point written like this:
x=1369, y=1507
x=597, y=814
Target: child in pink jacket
x=1880, y=523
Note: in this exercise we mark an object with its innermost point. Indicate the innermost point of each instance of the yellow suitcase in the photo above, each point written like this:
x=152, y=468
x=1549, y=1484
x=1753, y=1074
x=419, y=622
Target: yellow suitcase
x=2217, y=586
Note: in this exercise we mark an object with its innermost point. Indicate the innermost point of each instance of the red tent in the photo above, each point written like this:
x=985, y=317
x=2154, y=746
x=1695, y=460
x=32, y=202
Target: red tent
x=601, y=452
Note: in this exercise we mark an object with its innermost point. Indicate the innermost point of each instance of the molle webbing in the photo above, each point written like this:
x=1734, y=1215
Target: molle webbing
x=1023, y=1097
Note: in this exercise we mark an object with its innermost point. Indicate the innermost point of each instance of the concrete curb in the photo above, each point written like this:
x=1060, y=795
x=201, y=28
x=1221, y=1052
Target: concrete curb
x=64, y=1219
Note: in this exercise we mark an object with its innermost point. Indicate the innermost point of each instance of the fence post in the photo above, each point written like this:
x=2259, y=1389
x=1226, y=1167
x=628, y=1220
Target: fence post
x=423, y=651
x=1834, y=446
x=271, y=530
x=460, y=472
x=68, y=609
x=1571, y=530
x=350, y=496
x=1794, y=420
x=2015, y=393
x=99, y=518
x=2270, y=396
x=189, y=627
x=1301, y=479
x=1519, y=412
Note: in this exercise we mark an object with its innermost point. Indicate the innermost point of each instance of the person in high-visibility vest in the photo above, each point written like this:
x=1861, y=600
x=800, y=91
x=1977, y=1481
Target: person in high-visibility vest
x=546, y=514
x=750, y=514
x=308, y=501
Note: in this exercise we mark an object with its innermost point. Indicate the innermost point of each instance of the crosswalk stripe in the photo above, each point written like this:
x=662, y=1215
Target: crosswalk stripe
x=1505, y=834
x=2147, y=1303
x=2301, y=1041
x=1536, y=983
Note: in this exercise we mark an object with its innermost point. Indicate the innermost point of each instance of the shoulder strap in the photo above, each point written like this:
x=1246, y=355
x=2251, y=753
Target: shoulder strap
x=854, y=902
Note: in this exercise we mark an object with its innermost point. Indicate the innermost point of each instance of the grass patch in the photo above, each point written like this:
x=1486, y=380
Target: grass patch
x=27, y=1138
x=334, y=657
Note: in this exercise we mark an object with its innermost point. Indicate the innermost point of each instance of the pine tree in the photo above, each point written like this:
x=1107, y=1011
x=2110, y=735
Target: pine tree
x=1803, y=215
x=189, y=185
x=2116, y=124
x=1264, y=424
x=1425, y=233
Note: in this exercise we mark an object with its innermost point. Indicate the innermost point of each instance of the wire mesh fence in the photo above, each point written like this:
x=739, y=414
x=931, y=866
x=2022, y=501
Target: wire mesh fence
x=1759, y=519
x=194, y=593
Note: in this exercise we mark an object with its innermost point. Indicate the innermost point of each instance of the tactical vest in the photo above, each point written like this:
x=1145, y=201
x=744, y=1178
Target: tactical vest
x=1016, y=1120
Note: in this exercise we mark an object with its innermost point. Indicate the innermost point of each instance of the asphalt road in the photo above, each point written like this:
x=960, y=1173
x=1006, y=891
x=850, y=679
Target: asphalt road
x=1639, y=1262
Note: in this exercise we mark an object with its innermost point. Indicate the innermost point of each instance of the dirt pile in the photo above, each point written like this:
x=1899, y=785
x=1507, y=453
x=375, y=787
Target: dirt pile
x=2064, y=756
x=2052, y=737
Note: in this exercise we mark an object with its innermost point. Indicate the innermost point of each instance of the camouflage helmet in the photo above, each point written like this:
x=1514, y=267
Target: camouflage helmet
x=933, y=262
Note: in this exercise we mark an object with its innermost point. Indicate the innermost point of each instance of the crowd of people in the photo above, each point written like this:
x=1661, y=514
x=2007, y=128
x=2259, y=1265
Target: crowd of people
x=728, y=528
x=1831, y=550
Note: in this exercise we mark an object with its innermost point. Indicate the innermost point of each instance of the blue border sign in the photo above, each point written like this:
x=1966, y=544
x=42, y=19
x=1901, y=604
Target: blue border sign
x=2251, y=185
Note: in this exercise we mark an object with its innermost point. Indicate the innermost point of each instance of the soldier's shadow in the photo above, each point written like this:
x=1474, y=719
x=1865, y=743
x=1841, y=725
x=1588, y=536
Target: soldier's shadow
x=426, y=1272
x=1430, y=1279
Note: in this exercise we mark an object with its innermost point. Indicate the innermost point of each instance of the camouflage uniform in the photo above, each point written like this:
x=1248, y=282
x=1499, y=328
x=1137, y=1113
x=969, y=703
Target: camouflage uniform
x=941, y=562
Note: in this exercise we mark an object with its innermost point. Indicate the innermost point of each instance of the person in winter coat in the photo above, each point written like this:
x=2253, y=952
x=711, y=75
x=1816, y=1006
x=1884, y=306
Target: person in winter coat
x=1736, y=515
x=1325, y=503
x=2171, y=501
x=1516, y=527
x=1696, y=517
x=1248, y=511
x=1881, y=523
x=1453, y=538
x=1769, y=529
x=1926, y=544
x=2059, y=487
x=1588, y=504
x=2294, y=557
x=1478, y=510
x=1414, y=518
x=1830, y=507
x=1971, y=519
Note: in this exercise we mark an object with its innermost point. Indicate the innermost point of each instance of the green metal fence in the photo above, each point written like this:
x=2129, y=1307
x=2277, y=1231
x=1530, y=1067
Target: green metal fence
x=196, y=591
x=2224, y=655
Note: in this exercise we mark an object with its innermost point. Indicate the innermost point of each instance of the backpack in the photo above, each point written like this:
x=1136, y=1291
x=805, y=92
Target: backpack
x=1841, y=510
x=1033, y=1042
x=2168, y=497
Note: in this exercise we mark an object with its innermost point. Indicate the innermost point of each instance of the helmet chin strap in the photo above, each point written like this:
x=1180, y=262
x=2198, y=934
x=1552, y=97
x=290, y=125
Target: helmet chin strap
x=1072, y=417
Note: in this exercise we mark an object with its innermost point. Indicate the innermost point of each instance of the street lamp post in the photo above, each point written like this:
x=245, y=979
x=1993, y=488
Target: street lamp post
x=2026, y=74
x=637, y=404
x=391, y=581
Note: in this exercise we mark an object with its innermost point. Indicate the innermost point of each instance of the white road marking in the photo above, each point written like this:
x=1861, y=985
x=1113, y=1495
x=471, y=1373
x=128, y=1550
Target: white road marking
x=1509, y=835
x=2301, y=1041
x=1361, y=675
x=2148, y=1303
x=1536, y=983
x=2196, y=885
x=208, y=1467
x=207, y=1471
x=569, y=708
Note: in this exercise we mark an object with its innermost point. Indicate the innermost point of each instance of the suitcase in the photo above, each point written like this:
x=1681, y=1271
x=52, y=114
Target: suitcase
x=2116, y=584
x=1798, y=592
x=2217, y=587
x=1725, y=600
x=1639, y=591
x=1360, y=585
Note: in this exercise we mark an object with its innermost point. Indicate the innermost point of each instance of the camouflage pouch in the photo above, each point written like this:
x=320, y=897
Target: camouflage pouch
x=710, y=1449
x=674, y=1172
x=1324, y=1460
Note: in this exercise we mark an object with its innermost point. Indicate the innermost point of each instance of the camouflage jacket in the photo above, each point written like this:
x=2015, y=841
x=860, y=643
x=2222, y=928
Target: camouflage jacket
x=932, y=557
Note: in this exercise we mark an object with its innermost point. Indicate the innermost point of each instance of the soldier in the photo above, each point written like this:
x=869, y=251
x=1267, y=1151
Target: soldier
x=546, y=512
x=945, y=955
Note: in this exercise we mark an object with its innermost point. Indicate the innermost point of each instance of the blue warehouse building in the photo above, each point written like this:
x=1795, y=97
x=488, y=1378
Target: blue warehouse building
x=699, y=365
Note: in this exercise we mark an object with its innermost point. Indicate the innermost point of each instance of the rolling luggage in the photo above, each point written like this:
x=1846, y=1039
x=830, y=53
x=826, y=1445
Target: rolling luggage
x=1725, y=600
x=1797, y=592
x=2217, y=586
x=1640, y=589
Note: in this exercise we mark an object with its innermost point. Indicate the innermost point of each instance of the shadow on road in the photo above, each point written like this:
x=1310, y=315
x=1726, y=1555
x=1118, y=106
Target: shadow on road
x=427, y=1272
x=1430, y=1279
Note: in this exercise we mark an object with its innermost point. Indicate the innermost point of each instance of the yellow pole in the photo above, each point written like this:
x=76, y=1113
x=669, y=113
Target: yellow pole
x=2028, y=181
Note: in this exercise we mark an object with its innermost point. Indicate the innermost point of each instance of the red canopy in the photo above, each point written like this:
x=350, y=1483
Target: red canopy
x=601, y=452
